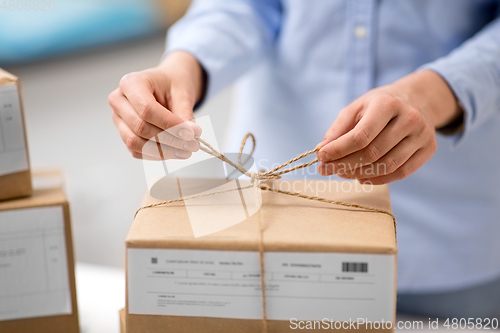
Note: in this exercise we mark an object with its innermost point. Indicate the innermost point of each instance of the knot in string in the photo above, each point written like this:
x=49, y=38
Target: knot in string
x=256, y=177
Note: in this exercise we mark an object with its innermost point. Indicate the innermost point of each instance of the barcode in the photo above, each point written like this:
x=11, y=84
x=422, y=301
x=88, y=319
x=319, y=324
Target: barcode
x=154, y=260
x=358, y=267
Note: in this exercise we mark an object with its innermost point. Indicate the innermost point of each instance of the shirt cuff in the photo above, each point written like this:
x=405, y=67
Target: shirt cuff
x=455, y=82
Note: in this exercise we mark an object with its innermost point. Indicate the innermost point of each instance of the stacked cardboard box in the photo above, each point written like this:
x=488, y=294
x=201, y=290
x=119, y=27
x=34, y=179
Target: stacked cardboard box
x=326, y=266
x=37, y=292
x=122, y=321
x=15, y=177
x=37, y=289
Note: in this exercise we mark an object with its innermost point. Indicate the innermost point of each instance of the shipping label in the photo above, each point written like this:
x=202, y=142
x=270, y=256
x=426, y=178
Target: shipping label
x=13, y=151
x=227, y=284
x=34, y=278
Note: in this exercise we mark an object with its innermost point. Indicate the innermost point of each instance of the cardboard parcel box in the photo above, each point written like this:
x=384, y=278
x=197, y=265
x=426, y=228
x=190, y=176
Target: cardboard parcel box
x=15, y=177
x=122, y=320
x=324, y=263
x=37, y=289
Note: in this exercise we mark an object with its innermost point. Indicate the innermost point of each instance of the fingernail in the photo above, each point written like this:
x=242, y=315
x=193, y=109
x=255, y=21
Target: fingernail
x=320, y=144
x=191, y=145
x=185, y=134
x=324, y=157
x=182, y=153
x=196, y=129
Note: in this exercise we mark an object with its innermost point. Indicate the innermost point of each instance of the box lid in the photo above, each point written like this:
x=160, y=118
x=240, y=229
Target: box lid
x=290, y=224
x=7, y=78
x=40, y=198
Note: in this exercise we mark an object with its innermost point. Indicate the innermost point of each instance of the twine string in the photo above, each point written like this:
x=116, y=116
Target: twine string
x=255, y=178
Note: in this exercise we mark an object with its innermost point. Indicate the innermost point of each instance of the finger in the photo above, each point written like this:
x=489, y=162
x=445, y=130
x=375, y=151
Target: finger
x=144, y=129
x=124, y=110
x=141, y=96
x=388, y=164
x=413, y=164
x=372, y=122
x=326, y=169
x=181, y=104
x=170, y=140
x=164, y=152
x=139, y=156
x=346, y=120
x=126, y=135
x=139, y=146
x=389, y=138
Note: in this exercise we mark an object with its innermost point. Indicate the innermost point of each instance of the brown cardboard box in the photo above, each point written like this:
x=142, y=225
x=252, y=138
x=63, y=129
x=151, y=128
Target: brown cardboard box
x=37, y=265
x=48, y=178
x=122, y=321
x=321, y=261
x=15, y=177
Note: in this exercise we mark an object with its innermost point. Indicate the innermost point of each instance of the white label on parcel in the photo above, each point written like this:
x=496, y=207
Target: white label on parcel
x=33, y=266
x=226, y=284
x=13, y=152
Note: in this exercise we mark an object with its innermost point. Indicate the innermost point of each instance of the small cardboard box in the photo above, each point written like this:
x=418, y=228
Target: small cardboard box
x=37, y=292
x=15, y=177
x=122, y=321
x=322, y=262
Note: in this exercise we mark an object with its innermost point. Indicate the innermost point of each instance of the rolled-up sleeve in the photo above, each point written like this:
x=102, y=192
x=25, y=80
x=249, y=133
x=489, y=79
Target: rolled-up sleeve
x=473, y=73
x=227, y=37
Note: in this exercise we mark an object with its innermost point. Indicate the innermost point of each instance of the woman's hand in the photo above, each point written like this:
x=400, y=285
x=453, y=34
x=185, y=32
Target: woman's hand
x=390, y=132
x=156, y=106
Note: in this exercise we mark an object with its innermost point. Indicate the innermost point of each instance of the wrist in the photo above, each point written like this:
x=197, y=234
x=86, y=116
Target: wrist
x=191, y=70
x=428, y=91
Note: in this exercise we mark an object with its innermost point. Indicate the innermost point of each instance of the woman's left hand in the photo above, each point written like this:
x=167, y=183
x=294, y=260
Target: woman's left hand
x=390, y=132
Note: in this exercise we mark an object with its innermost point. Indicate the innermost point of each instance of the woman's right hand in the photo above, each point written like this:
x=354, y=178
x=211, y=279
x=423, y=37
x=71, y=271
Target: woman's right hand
x=156, y=106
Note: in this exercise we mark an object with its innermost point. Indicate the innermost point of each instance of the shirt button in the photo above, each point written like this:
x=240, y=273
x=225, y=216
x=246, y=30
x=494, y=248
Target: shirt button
x=360, y=31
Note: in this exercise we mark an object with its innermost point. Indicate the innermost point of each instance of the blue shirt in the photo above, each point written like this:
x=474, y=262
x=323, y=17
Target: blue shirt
x=300, y=62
